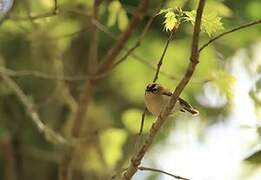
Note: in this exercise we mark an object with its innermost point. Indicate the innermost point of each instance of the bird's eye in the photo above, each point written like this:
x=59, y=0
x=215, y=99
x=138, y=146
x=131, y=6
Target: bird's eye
x=154, y=89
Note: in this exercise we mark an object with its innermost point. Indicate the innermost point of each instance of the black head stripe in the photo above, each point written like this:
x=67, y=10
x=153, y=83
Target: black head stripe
x=152, y=87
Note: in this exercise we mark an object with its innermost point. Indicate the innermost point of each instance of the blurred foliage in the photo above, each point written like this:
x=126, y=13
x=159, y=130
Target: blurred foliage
x=211, y=23
x=58, y=45
x=117, y=13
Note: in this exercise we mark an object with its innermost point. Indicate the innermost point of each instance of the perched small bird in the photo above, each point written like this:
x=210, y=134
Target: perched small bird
x=156, y=97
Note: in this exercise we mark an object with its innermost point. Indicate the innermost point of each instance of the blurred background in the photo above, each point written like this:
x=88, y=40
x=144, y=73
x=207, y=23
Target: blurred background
x=45, y=51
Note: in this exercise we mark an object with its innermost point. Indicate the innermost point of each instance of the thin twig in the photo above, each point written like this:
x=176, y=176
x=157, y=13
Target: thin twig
x=124, y=57
x=228, y=32
x=142, y=168
x=138, y=58
x=49, y=133
x=38, y=74
x=142, y=120
x=155, y=79
x=136, y=159
x=89, y=88
x=162, y=57
x=137, y=44
x=113, y=52
x=161, y=171
x=65, y=168
x=105, y=30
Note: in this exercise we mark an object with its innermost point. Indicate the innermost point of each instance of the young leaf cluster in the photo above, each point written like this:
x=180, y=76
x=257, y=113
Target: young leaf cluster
x=211, y=22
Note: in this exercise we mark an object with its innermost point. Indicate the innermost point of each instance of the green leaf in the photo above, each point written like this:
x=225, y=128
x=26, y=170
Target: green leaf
x=211, y=23
x=122, y=20
x=220, y=8
x=117, y=14
x=170, y=21
x=112, y=141
x=114, y=9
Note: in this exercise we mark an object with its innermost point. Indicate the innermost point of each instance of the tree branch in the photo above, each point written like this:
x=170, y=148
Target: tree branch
x=65, y=168
x=42, y=75
x=136, y=159
x=116, y=49
x=105, y=30
x=50, y=134
x=161, y=171
x=229, y=32
x=155, y=78
x=138, y=43
x=162, y=57
x=89, y=88
x=8, y=152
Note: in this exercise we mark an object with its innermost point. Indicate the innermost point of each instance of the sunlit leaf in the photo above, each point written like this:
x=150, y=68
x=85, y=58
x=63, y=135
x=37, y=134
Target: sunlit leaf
x=117, y=14
x=112, y=141
x=170, y=21
x=220, y=8
x=211, y=23
x=122, y=20
x=114, y=8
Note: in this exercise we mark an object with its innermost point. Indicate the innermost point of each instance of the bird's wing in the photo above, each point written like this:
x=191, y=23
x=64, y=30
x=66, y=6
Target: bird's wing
x=166, y=92
x=186, y=106
x=184, y=103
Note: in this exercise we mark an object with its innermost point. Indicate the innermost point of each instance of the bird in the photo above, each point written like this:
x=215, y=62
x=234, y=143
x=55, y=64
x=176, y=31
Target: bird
x=156, y=97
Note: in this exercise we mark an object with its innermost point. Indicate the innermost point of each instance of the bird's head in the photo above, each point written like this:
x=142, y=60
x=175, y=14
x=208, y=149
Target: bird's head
x=157, y=89
x=154, y=88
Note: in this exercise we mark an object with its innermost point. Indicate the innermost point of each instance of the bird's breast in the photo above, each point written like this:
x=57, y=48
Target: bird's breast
x=155, y=103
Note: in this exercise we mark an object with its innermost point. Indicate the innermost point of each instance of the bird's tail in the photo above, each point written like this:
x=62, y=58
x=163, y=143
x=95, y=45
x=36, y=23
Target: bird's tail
x=191, y=110
x=185, y=106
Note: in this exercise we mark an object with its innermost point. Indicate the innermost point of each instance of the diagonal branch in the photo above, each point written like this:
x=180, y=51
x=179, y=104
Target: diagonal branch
x=116, y=49
x=105, y=30
x=162, y=57
x=137, y=44
x=49, y=133
x=66, y=167
x=42, y=75
x=136, y=159
x=65, y=172
x=229, y=32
